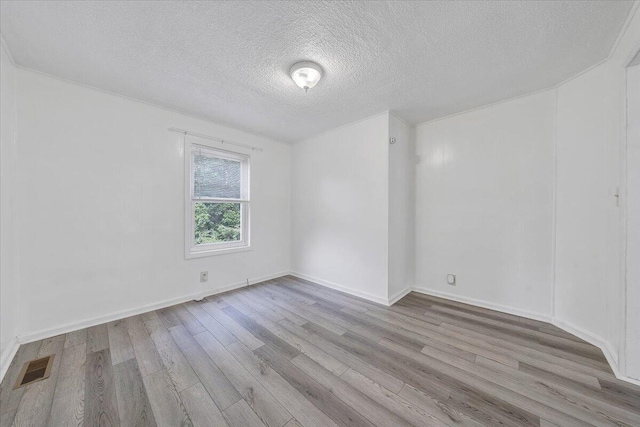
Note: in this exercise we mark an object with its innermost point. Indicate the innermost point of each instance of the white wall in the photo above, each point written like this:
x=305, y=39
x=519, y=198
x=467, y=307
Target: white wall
x=484, y=205
x=8, y=279
x=484, y=209
x=340, y=208
x=633, y=225
x=591, y=288
x=98, y=187
x=101, y=198
x=401, y=206
x=627, y=49
x=588, y=281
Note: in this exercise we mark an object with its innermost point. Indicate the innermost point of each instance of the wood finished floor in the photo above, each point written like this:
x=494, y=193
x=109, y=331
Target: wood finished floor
x=291, y=353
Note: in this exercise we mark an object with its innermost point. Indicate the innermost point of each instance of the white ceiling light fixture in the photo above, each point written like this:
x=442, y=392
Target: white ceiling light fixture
x=306, y=74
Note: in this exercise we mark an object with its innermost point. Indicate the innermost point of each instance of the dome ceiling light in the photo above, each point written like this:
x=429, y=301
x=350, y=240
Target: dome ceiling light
x=306, y=74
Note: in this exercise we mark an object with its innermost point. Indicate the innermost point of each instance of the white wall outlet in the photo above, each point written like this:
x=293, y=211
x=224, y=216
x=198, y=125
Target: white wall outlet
x=204, y=276
x=451, y=279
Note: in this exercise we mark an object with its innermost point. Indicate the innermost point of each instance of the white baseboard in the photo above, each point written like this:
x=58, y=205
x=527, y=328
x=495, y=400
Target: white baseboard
x=627, y=379
x=398, y=296
x=74, y=326
x=341, y=288
x=7, y=357
x=485, y=304
x=612, y=356
x=8, y=354
x=263, y=279
x=609, y=352
x=368, y=296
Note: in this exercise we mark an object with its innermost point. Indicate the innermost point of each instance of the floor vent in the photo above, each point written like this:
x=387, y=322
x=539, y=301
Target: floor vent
x=34, y=371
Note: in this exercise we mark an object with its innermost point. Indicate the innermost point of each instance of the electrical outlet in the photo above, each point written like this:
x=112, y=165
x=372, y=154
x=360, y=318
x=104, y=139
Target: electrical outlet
x=451, y=279
x=204, y=276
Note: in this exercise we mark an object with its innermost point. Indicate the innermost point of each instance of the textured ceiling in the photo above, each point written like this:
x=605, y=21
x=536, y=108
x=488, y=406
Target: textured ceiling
x=229, y=61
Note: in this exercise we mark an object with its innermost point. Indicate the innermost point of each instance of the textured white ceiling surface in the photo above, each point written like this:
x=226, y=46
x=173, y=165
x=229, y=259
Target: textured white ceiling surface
x=229, y=61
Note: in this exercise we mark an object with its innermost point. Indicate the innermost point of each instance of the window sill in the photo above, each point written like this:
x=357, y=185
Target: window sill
x=214, y=252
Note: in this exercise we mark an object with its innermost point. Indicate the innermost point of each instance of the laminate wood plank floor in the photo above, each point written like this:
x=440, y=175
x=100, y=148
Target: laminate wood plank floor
x=288, y=352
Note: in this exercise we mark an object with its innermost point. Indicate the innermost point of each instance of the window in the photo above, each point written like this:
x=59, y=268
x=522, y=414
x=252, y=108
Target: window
x=217, y=205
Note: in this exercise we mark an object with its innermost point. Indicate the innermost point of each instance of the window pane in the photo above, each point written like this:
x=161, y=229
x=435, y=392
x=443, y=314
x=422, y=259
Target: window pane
x=217, y=222
x=216, y=177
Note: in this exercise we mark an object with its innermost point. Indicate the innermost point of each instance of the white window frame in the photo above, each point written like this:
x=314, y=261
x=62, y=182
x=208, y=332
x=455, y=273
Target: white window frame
x=192, y=250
